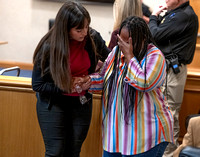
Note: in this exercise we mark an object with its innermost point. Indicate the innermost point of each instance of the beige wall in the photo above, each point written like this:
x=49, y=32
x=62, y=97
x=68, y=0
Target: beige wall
x=24, y=22
x=153, y=3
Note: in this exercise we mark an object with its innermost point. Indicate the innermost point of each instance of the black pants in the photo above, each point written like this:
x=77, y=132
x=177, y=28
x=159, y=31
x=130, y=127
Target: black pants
x=64, y=126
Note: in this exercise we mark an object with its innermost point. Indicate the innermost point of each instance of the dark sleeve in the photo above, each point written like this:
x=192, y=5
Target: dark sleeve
x=113, y=40
x=43, y=84
x=169, y=27
x=101, y=47
x=145, y=10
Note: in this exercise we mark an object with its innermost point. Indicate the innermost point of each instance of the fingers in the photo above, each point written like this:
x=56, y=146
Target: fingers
x=125, y=47
x=84, y=82
x=87, y=83
x=78, y=80
x=158, y=10
x=119, y=38
x=162, y=8
x=87, y=78
x=86, y=86
x=122, y=44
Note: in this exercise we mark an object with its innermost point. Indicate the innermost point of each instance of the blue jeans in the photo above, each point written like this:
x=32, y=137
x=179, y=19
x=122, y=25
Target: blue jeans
x=156, y=151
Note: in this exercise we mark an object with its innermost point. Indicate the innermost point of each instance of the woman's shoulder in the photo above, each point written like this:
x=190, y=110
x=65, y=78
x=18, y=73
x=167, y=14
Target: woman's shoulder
x=153, y=49
x=94, y=33
x=96, y=36
x=115, y=32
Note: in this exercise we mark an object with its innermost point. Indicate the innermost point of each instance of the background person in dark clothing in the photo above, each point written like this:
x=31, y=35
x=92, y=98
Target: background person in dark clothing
x=146, y=12
x=175, y=34
x=68, y=51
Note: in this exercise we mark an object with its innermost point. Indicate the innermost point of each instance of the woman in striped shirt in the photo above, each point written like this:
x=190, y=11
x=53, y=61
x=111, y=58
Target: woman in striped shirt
x=136, y=120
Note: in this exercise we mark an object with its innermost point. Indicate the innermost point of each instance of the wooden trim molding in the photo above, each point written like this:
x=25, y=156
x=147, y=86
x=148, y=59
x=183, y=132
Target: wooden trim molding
x=197, y=46
x=193, y=79
x=97, y=96
x=3, y=42
x=15, y=83
x=22, y=65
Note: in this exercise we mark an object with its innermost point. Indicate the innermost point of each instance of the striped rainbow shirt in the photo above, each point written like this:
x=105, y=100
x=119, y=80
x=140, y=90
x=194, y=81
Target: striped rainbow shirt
x=151, y=122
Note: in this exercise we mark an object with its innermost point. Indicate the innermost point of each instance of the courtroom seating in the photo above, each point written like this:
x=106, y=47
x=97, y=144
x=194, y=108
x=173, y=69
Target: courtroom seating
x=190, y=151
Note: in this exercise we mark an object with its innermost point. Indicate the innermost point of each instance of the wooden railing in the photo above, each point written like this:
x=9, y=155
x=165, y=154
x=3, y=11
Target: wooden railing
x=20, y=135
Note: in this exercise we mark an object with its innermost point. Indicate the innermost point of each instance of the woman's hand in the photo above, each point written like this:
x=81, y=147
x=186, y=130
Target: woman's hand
x=99, y=65
x=126, y=48
x=87, y=83
x=84, y=82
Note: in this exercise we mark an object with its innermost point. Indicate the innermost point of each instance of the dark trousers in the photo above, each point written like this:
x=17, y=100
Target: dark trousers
x=64, y=126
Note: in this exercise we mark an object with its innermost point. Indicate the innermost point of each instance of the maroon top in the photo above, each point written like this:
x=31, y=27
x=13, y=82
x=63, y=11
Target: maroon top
x=113, y=40
x=79, y=61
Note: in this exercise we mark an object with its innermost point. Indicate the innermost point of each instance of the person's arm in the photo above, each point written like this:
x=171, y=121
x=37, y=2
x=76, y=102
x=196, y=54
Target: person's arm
x=146, y=13
x=98, y=78
x=169, y=27
x=113, y=39
x=146, y=19
x=155, y=71
x=40, y=83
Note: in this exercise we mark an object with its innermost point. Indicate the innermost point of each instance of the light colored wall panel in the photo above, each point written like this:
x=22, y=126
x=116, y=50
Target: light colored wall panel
x=24, y=23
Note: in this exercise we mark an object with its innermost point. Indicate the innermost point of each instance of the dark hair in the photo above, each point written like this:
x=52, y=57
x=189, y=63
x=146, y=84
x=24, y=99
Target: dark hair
x=140, y=34
x=141, y=38
x=53, y=48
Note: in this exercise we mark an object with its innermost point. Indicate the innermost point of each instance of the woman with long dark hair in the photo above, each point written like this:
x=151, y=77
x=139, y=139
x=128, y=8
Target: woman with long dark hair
x=70, y=50
x=136, y=120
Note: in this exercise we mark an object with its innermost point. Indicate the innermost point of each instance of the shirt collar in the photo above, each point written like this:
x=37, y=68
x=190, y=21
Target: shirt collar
x=179, y=7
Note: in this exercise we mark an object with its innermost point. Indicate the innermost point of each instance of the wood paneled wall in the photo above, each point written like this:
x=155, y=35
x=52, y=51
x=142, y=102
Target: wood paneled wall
x=20, y=135
x=196, y=4
x=191, y=99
